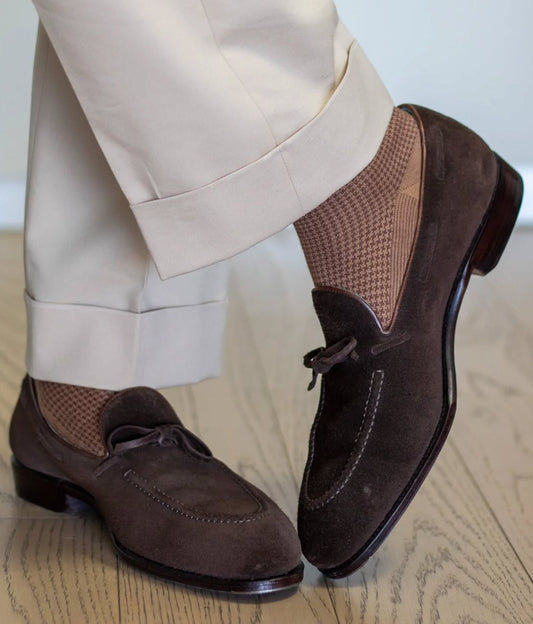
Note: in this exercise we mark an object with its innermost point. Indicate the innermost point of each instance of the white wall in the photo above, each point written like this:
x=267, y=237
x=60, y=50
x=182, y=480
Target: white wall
x=18, y=27
x=471, y=59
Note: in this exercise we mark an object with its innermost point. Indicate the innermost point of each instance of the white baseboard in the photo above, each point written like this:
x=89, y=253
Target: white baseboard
x=12, y=201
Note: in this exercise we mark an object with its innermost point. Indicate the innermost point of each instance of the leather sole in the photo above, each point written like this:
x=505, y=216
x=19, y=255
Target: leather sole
x=483, y=255
x=57, y=495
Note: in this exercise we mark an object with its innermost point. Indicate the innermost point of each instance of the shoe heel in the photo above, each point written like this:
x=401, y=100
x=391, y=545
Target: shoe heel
x=38, y=488
x=501, y=218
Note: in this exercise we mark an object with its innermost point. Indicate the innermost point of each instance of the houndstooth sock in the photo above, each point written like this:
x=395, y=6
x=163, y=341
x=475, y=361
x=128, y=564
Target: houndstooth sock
x=73, y=412
x=360, y=238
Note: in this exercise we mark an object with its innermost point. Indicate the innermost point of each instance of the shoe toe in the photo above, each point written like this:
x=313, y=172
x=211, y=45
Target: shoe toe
x=204, y=520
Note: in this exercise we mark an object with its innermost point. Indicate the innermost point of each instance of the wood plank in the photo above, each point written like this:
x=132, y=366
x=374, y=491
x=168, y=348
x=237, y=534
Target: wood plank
x=146, y=600
x=57, y=571
x=494, y=425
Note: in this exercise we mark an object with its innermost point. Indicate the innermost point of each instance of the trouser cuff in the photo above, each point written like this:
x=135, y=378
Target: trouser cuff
x=194, y=229
x=115, y=349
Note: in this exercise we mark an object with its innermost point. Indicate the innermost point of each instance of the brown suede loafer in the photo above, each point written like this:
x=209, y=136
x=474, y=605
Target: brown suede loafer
x=388, y=398
x=171, y=508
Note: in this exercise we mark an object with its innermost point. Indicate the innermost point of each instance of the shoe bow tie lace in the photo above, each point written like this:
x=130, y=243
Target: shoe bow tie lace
x=129, y=437
x=323, y=359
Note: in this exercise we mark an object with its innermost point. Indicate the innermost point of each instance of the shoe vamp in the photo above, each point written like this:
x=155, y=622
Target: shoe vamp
x=183, y=481
x=377, y=416
x=339, y=428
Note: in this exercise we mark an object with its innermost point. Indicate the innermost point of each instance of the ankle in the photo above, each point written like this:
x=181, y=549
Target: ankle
x=360, y=238
x=74, y=413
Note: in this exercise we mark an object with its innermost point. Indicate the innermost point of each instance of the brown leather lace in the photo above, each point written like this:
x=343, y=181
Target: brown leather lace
x=322, y=360
x=129, y=437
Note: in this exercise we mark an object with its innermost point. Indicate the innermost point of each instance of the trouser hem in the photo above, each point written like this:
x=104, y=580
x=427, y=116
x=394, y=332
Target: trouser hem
x=115, y=349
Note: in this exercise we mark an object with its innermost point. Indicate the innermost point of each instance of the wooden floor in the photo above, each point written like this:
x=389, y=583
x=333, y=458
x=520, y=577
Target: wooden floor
x=462, y=553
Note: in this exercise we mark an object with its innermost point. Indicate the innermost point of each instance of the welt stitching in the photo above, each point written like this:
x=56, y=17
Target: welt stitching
x=232, y=476
x=166, y=495
x=365, y=442
x=315, y=425
x=358, y=433
x=209, y=519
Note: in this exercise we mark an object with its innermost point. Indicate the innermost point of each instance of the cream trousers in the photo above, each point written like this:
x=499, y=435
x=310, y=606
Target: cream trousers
x=167, y=136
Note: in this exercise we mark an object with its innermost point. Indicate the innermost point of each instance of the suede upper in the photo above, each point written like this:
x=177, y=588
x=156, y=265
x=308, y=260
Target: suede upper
x=382, y=411
x=161, y=493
